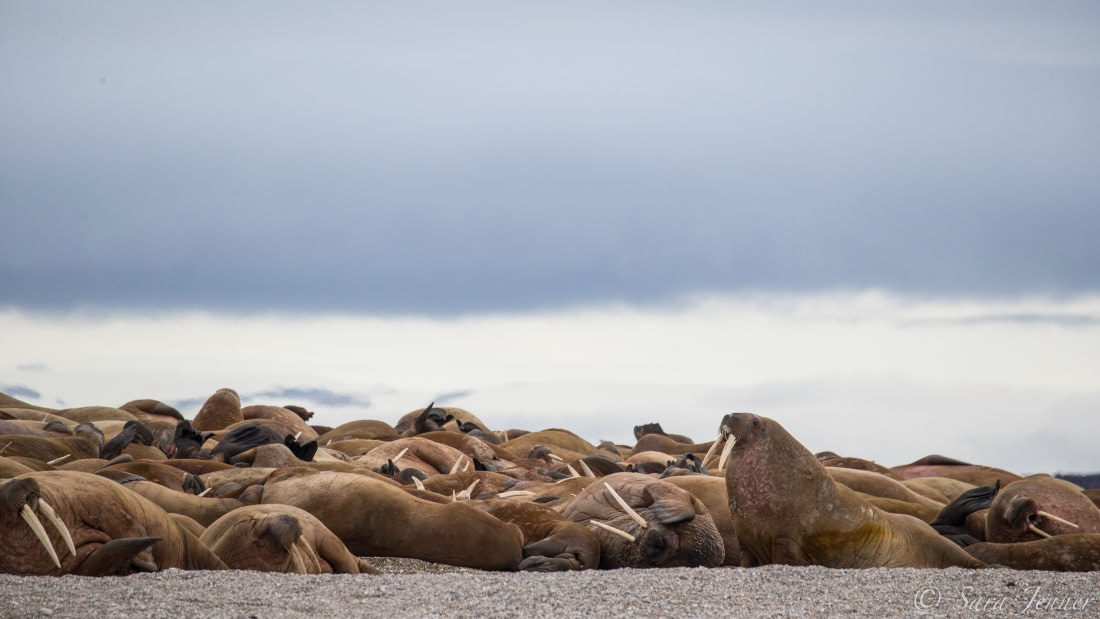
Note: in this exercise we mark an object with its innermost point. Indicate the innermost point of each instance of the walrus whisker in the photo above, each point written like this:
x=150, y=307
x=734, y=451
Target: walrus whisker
x=587, y=471
x=626, y=508
x=572, y=471
x=58, y=524
x=1036, y=530
x=1057, y=519
x=399, y=454
x=726, y=449
x=59, y=460
x=39, y=532
x=419, y=484
x=611, y=529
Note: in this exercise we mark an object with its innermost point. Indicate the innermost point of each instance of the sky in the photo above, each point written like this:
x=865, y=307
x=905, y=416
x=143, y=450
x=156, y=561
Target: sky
x=589, y=215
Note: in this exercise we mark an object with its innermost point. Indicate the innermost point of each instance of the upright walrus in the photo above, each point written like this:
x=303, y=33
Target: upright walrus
x=788, y=510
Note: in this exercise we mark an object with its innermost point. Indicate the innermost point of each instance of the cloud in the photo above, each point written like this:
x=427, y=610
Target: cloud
x=20, y=391
x=288, y=395
x=32, y=367
x=314, y=161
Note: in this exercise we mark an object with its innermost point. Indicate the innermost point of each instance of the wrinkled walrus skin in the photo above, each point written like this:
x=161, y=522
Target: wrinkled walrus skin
x=788, y=510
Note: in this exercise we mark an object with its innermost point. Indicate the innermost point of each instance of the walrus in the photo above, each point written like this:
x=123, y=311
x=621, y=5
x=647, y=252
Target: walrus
x=1073, y=552
x=377, y=519
x=657, y=523
x=94, y=527
x=1040, y=506
x=552, y=542
x=787, y=509
x=278, y=538
x=220, y=411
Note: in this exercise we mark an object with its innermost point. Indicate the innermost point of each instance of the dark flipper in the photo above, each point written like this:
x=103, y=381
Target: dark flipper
x=118, y=556
x=951, y=521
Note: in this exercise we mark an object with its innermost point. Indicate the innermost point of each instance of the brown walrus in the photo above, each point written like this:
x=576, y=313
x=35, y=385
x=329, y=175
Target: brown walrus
x=787, y=509
x=377, y=519
x=278, y=538
x=1073, y=552
x=1040, y=506
x=665, y=525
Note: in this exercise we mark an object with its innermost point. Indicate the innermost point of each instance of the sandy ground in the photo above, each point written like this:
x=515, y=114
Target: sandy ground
x=415, y=589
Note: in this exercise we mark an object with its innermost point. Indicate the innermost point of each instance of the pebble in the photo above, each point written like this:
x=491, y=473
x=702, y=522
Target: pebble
x=409, y=588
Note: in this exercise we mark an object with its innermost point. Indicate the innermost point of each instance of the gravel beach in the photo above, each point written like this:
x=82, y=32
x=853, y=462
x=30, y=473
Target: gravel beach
x=409, y=588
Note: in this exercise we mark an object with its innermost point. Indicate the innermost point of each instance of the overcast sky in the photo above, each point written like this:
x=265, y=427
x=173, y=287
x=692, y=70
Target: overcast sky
x=439, y=158
x=846, y=216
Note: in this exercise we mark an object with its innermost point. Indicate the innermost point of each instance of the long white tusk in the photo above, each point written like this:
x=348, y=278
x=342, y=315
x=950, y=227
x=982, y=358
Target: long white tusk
x=607, y=527
x=553, y=457
x=419, y=484
x=5, y=447
x=466, y=467
x=1057, y=519
x=1036, y=530
x=515, y=493
x=468, y=492
x=731, y=440
x=587, y=471
x=626, y=508
x=401, y=453
x=296, y=559
x=36, y=526
x=58, y=524
x=59, y=460
x=205, y=492
x=713, y=448
x=454, y=469
x=572, y=471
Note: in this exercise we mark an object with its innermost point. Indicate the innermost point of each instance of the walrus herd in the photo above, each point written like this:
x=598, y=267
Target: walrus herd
x=102, y=491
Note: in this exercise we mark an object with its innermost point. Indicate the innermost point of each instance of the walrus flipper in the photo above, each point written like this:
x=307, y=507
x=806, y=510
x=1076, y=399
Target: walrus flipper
x=951, y=521
x=118, y=556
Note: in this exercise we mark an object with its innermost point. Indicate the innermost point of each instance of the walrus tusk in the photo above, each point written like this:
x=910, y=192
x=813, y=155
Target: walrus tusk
x=399, y=454
x=607, y=527
x=36, y=526
x=419, y=484
x=626, y=508
x=205, y=492
x=465, y=494
x=587, y=471
x=713, y=448
x=466, y=467
x=58, y=524
x=726, y=449
x=298, y=435
x=515, y=493
x=5, y=447
x=572, y=471
x=454, y=469
x=59, y=460
x=1057, y=519
x=1036, y=530
x=553, y=457
x=296, y=559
